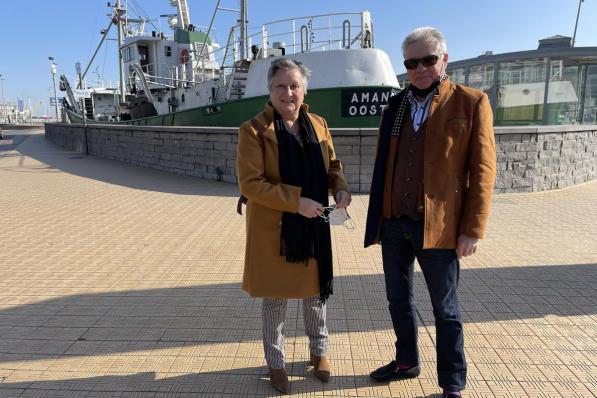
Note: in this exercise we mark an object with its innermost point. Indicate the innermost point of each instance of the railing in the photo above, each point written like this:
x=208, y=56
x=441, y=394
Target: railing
x=286, y=36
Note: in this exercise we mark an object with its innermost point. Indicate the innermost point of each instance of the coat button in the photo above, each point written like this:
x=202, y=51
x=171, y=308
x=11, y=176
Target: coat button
x=420, y=208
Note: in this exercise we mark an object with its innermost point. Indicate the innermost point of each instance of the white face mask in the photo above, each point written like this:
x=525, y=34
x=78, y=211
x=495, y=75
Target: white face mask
x=337, y=217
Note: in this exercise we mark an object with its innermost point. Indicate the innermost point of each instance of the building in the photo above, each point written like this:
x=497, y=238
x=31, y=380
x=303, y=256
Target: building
x=554, y=84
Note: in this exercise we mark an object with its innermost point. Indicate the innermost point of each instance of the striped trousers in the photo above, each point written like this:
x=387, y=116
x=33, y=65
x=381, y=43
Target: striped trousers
x=274, y=317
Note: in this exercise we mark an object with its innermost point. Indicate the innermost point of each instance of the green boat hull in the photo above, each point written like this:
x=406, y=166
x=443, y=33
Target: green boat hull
x=346, y=107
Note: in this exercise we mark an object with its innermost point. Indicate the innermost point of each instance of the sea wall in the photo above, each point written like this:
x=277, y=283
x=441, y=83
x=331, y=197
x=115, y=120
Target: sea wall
x=529, y=159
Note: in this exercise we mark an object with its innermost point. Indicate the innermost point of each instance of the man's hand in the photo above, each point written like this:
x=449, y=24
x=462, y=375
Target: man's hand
x=342, y=199
x=309, y=208
x=466, y=246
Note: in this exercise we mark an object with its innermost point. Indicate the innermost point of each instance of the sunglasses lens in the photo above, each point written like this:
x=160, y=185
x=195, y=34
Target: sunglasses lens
x=429, y=60
x=411, y=63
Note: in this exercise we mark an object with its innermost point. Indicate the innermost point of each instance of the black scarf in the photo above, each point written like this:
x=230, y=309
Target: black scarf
x=424, y=92
x=303, y=238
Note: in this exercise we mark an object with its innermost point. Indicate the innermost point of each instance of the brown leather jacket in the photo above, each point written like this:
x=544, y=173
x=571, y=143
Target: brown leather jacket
x=459, y=167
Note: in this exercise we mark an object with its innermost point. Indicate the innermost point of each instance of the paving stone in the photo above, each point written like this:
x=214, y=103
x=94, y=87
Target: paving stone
x=120, y=281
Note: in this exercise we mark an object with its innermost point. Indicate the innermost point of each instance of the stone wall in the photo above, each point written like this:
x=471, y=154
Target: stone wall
x=530, y=159
x=533, y=159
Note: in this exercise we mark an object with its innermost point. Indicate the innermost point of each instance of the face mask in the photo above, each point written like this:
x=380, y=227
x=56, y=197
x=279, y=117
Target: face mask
x=337, y=217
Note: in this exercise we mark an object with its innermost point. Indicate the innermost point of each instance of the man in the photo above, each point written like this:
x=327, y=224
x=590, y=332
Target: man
x=430, y=199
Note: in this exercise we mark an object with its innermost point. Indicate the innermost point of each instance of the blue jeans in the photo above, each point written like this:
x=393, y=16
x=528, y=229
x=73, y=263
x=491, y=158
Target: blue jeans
x=401, y=242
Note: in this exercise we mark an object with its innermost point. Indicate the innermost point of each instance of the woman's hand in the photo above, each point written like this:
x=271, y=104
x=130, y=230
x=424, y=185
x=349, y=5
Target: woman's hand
x=342, y=199
x=309, y=208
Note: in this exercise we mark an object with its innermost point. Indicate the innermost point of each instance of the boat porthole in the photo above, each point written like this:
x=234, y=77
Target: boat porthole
x=197, y=93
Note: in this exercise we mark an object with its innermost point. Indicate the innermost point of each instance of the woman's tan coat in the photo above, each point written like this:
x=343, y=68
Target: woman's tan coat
x=267, y=274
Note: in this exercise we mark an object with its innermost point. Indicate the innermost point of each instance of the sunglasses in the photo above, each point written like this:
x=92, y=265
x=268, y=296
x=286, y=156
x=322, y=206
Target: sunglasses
x=413, y=63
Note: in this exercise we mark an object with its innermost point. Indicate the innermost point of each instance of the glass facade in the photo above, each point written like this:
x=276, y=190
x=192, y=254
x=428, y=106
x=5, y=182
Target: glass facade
x=589, y=114
x=520, y=92
x=457, y=75
x=563, y=94
x=537, y=87
x=481, y=77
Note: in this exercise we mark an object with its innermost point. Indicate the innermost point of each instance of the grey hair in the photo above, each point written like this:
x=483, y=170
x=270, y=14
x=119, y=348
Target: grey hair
x=426, y=34
x=288, y=64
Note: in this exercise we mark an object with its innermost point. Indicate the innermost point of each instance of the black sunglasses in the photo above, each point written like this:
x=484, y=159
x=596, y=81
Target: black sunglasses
x=413, y=63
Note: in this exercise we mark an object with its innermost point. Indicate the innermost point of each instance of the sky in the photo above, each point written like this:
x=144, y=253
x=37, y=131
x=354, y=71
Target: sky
x=69, y=31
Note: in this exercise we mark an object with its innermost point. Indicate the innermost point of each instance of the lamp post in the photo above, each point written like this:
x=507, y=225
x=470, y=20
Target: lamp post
x=53, y=69
x=2, y=106
x=576, y=24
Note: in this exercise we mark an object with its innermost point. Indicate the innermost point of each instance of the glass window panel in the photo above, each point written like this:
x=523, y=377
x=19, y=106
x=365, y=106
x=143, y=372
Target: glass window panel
x=565, y=80
x=590, y=108
x=456, y=75
x=521, y=92
x=481, y=77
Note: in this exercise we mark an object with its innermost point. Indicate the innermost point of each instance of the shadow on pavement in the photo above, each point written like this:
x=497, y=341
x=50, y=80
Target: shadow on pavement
x=118, y=173
x=137, y=320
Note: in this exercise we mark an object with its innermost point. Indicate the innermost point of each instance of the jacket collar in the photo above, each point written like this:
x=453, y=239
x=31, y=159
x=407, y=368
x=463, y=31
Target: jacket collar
x=445, y=87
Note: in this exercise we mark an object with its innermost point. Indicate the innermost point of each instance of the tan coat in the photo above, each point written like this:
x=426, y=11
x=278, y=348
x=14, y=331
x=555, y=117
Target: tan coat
x=266, y=273
x=459, y=167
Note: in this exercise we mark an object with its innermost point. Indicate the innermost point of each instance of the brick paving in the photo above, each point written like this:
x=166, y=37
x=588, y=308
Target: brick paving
x=118, y=281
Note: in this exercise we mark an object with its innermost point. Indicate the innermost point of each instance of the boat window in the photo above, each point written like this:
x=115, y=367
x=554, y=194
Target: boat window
x=168, y=51
x=127, y=54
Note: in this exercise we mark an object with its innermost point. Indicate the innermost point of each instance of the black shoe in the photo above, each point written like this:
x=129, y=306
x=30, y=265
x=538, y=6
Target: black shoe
x=391, y=372
x=451, y=394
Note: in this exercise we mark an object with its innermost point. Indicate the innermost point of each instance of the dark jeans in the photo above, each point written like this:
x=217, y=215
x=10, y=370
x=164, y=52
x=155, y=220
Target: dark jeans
x=402, y=241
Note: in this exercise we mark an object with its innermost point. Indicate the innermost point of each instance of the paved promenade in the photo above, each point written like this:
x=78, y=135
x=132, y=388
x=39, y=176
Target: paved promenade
x=118, y=281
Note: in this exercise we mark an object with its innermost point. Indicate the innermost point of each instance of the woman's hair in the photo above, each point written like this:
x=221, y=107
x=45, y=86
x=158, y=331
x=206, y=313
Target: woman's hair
x=426, y=34
x=288, y=64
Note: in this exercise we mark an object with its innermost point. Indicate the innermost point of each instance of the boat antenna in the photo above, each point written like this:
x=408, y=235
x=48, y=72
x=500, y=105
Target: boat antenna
x=576, y=24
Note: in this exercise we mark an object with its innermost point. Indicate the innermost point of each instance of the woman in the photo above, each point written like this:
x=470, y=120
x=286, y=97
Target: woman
x=286, y=166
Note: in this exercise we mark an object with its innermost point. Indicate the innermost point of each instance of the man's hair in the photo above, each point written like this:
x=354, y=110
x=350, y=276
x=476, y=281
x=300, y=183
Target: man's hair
x=288, y=64
x=426, y=34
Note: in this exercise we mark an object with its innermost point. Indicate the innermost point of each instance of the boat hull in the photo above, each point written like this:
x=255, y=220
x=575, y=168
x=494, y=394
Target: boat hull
x=348, y=107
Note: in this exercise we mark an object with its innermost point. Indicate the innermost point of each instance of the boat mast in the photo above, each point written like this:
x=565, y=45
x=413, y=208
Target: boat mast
x=117, y=17
x=244, y=22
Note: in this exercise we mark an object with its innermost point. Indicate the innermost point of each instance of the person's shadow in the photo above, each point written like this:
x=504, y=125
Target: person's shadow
x=213, y=323
x=241, y=382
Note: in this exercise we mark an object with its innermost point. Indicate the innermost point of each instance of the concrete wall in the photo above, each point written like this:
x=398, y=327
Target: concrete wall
x=530, y=159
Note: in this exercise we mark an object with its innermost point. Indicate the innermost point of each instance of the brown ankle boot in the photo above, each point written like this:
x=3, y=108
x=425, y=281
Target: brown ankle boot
x=321, y=368
x=279, y=380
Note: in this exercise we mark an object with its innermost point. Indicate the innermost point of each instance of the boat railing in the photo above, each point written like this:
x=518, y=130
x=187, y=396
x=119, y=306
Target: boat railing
x=322, y=32
x=290, y=36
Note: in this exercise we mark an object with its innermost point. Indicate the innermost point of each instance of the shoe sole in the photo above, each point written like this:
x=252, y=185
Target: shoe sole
x=394, y=377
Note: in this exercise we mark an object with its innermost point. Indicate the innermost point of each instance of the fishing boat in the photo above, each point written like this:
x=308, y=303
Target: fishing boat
x=185, y=78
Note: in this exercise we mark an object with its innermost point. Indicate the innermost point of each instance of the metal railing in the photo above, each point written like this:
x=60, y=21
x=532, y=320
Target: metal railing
x=290, y=36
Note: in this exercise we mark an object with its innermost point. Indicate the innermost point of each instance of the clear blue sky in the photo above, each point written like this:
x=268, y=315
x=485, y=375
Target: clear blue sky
x=69, y=30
